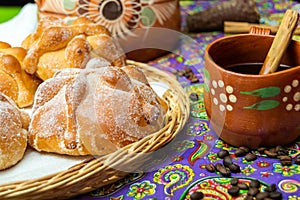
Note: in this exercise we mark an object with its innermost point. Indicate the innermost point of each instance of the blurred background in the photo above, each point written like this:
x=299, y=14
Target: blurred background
x=14, y=2
x=10, y=8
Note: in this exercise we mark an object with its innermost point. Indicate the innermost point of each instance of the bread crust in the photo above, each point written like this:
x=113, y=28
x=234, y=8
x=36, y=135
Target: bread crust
x=13, y=132
x=14, y=81
x=56, y=45
x=94, y=111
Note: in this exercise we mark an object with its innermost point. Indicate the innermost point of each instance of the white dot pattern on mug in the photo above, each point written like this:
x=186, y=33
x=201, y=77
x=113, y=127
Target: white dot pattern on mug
x=213, y=92
x=297, y=107
x=229, y=89
x=223, y=100
x=295, y=97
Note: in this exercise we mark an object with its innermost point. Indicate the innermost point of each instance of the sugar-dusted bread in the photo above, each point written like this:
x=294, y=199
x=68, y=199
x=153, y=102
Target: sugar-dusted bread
x=94, y=111
x=56, y=45
x=14, y=81
x=13, y=132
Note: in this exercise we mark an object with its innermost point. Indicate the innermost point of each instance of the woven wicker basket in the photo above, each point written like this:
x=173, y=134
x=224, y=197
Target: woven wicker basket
x=96, y=172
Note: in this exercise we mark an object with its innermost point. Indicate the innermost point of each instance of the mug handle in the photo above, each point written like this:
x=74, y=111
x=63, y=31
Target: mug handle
x=259, y=30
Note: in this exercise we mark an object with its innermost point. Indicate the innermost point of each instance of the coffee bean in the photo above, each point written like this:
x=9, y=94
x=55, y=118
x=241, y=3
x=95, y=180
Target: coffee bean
x=275, y=195
x=285, y=160
x=261, y=195
x=234, y=191
x=246, y=149
x=248, y=197
x=250, y=157
x=243, y=186
x=197, y=196
x=240, y=152
x=227, y=161
x=234, y=168
x=281, y=150
x=194, y=97
x=218, y=166
x=297, y=160
x=261, y=150
x=271, y=188
x=286, y=163
x=194, y=79
x=210, y=167
x=223, y=170
x=188, y=70
x=234, y=181
x=281, y=153
x=252, y=191
x=222, y=154
x=255, y=184
x=270, y=153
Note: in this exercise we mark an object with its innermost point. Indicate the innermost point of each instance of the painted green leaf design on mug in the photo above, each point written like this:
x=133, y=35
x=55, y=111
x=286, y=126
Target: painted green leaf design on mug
x=264, y=92
x=206, y=79
x=264, y=105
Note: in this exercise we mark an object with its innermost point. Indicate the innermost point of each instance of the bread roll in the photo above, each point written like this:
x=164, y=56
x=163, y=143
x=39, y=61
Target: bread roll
x=13, y=133
x=56, y=45
x=14, y=81
x=94, y=111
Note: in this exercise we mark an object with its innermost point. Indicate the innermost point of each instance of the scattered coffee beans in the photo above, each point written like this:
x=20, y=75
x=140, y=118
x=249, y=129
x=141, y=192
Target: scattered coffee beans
x=187, y=73
x=248, y=197
x=281, y=151
x=240, y=152
x=297, y=160
x=223, y=170
x=246, y=149
x=234, y=191
x=255, y=184
x=194, y=97
x=243, y=186
x=222, y=154
x=275, y=195
x=234, y=181
x=271, y=153
x=250, y=157
x=285, y=160
x=197, y=196
x=271, y=188
x=227, y=161
x=210, y=167
x=234, y=168
x=252, y=191
x=261, y=195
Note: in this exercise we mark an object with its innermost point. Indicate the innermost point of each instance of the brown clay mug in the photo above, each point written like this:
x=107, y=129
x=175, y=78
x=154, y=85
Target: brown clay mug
x=247, y=109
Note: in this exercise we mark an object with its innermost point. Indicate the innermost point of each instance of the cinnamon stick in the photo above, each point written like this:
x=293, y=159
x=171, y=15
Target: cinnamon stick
x=280, y=42
x=244, y=27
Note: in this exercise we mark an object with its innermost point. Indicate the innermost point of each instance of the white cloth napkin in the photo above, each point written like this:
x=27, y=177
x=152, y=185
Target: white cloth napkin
x=16, y=29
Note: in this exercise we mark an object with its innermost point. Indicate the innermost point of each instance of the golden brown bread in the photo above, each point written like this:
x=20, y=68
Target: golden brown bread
x=56, y=45
x=13, y=133
x=14, y=81
x=94, y=111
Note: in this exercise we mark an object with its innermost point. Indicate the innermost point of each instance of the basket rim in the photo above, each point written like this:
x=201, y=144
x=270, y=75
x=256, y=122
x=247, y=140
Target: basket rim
x=84, y=177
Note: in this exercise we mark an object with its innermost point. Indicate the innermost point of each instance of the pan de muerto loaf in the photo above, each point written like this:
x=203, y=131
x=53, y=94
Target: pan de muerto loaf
x=94, y=111
x=13, y=133
x=14, y=81
x=56, y=45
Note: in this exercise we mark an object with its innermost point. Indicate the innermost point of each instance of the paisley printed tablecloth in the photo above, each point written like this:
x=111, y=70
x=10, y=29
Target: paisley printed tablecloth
x=183, y=170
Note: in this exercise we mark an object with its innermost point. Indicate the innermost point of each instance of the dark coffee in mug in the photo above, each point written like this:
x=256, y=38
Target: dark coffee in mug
x=251, y=68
